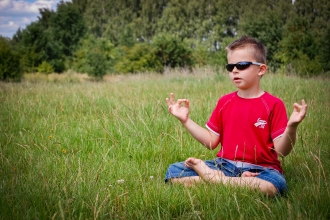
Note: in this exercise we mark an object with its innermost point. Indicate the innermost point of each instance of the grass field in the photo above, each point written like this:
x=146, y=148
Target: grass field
x=77, y=149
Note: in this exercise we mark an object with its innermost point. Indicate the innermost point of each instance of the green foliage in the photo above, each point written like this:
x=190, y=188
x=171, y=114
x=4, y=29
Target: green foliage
x=165, y=51
x=126, y=37
x=203, y=55
x=67, y=27
x=58, y=65
x=171, y=51
x=139, y=58
x=298, y=47
x=96, y=63
x=146, y=24
x=325, y=51
x=32, y=44
x=175, y=18
x=304, y=38
x=304, y=66
x=9, y=62
x=45, y=67
x=52, y=38
x=267, y=26
x=208, y=26
x=94, y=57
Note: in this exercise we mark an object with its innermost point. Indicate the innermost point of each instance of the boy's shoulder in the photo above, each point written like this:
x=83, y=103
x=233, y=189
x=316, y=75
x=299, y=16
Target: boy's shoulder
x=229, y=96
x=272, y=98
x=265, y=98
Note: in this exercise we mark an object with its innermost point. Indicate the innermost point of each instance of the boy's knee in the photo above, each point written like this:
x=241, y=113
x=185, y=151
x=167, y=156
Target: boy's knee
x=269, y=189
x=274, y=182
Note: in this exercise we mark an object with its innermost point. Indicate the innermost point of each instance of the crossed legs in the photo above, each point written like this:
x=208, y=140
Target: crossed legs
x=206, y=174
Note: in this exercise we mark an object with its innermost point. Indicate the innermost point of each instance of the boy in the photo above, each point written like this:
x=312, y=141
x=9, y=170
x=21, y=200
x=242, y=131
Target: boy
x=250, y=124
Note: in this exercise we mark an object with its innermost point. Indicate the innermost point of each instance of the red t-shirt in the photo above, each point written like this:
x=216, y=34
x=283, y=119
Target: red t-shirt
x=248, y=127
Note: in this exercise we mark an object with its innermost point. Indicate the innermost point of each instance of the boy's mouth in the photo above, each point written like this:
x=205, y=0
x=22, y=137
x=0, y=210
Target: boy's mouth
x=237, y=78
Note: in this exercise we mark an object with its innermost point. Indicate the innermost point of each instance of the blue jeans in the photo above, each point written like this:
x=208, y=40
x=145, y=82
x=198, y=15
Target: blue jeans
x=231, y=169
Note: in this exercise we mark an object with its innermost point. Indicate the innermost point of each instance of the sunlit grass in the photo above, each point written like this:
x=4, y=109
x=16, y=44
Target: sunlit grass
x=78, y=149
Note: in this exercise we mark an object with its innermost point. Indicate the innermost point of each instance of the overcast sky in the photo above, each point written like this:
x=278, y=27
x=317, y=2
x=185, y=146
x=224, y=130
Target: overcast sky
x=19, y=13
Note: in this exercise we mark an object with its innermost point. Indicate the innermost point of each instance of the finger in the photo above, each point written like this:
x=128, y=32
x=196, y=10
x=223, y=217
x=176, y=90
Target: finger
x=183, y=101
x=296, y=107
x=188, y=161
x=187, y=103
x=303, y=103
x=167, y=101
x=172, y=99
x=303, y=108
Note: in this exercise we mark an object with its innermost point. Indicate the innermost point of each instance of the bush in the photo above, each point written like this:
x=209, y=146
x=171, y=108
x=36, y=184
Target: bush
x=94, y=57
x=303, y=66
x=139, y=58
x=9, y=62
x=45, y=67
x=96, y=64
x=172, y=51
x=164, y=51
x=325, y=51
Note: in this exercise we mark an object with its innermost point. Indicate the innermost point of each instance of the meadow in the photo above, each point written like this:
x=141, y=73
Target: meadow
x=72, y=148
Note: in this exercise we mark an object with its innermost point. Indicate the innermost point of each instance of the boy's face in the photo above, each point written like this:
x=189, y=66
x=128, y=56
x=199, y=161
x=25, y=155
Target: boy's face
x=248, y=78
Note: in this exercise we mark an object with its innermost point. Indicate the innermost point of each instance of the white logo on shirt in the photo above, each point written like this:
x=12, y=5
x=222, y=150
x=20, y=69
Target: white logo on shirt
x=260, y=123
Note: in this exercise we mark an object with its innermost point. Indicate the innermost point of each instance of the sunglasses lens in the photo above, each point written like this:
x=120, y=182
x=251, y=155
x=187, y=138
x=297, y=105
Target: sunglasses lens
x=230, y=67
x=242, y=65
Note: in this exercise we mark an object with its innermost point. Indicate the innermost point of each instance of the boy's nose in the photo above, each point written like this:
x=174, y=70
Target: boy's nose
x=235, y=70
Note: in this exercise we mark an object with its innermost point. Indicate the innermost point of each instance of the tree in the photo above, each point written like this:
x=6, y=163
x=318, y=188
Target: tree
x=303, y=38
x=172, y=51
x=267, y=24
x=96, y=16
x=9, y=62
x=145, y=25
x=325, y=52
x=94, y=56
x=139, y=58
x=32, y=44
x=53, y=38
x=203, y=26
x=67, y=27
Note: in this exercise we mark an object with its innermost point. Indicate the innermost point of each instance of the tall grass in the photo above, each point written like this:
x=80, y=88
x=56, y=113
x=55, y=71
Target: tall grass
x=76, y=149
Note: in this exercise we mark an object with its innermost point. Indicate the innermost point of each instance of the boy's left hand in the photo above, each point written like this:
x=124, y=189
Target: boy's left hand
x=298, y=114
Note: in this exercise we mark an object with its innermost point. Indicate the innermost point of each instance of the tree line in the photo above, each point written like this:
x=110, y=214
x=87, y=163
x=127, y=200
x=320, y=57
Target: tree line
x=128, y=36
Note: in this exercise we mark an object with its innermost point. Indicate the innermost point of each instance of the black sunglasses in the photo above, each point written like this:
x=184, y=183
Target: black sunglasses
x=241, y=65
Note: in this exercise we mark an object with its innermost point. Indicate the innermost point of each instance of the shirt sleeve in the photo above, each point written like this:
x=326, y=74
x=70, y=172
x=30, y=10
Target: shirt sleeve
x=279, y=120
x=213, y=124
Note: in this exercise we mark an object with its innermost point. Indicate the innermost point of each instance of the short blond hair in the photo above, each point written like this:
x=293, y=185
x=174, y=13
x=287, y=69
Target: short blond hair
x=258, y=49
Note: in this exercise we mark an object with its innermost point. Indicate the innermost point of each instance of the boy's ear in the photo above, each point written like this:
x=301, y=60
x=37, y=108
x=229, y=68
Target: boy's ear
x=262, y=69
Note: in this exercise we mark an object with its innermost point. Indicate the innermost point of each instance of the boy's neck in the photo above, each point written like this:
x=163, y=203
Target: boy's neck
x=250, y=94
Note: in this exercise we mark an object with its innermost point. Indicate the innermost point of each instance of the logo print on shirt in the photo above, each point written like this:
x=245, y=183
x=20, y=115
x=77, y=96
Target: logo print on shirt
x=260, y=123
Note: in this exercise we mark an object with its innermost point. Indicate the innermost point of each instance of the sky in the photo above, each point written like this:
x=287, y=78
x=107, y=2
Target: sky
x=19, y=13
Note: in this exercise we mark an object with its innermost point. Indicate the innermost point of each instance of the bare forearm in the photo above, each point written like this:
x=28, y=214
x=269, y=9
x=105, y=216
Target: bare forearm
x=285, y=144
x=201, y=134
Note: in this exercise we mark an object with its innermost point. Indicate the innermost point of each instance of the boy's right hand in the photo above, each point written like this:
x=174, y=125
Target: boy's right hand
x=298, y=114
x=179, y=108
